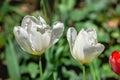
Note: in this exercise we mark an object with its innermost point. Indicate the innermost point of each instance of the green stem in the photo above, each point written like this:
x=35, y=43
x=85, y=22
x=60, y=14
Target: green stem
x=40, y=68
x=54, y=76
x=44, y=8
x=92, y=71
x=96, y=69
x=83, y=67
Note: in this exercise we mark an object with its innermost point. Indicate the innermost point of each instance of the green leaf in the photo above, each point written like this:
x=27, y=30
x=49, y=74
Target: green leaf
x=103, y=36
x=106, y=71
x=2, y=40
x=115, y=34
x=118, y=9
x=66, y=6
x=4, y=8
x=77, y=14
x=33, y=69
x=98, y=5
x=79, y=26
x=12, y=63
x=16, y=10
x=70, y=74
x=71, y=4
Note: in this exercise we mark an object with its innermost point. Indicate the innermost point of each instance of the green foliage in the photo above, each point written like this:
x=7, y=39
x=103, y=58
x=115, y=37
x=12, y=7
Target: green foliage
x=117, y=10
x=33, y=69
x=66, y=6
x=12, y=63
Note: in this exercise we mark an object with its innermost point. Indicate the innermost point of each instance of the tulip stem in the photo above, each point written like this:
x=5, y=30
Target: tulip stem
x=96, y=69
x=92, y=71
x=40, y=68
x=54, y=75
x=83, y=67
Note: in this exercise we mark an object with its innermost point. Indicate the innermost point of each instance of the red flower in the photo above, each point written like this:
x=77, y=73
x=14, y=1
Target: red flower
x=114, y=61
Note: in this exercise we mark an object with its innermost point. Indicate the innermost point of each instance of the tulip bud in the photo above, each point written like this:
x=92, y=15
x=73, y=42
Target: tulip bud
x=35, y=35
x=114, y=61
x=84, y=46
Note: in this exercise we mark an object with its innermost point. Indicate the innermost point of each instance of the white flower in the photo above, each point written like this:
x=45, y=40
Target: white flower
x=84, y=47
x=35, y=36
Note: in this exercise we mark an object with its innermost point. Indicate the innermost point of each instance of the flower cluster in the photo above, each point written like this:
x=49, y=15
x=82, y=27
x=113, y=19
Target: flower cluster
x=35, y=36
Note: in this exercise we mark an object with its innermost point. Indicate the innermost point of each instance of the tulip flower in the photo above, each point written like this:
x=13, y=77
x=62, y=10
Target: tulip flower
x=114, y=61
x=35, y=36
x=84, y=46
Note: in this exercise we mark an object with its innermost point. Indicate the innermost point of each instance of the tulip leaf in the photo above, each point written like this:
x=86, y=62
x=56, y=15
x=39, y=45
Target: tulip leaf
x=103, y=36
x=81, y=13
x=33, y=69
x=115, y=34
x=118, y=9
x=12, y=63
x=106, y=71
x=66, y=5
x=98, y=5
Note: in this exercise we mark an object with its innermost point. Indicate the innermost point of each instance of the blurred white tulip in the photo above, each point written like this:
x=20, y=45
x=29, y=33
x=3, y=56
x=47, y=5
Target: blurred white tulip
x=84, y=46
x=35, y=36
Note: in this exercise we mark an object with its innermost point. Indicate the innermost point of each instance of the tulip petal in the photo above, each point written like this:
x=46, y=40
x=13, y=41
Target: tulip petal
x=21, y=36
x=57, y=32
x=41, y=20
x=115, y=66
x=36, y=40
x=43, y=23
x=26, y=20
x=89, y=38
x=92, y=36
x=71, y=36
x=98, y=49
x=91, y=47
x=78, y=47
x=46, y=39
x=93, y=52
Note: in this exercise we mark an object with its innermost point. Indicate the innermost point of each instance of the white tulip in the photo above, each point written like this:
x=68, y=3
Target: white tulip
x=35, y=36
x=84, y=46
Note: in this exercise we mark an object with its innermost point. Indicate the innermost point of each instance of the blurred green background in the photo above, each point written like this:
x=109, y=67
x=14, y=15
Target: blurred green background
x=57, y=62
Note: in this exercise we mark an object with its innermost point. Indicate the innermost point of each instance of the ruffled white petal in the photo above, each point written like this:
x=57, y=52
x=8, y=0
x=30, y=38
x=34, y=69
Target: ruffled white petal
x=57, y=32
x=92, y=36
x=93, y=52
x=26, y=20
x=71, y=36
x=21, y=36
x=42, y=21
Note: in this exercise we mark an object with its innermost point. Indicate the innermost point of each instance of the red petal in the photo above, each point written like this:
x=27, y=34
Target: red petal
x=114, y=61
